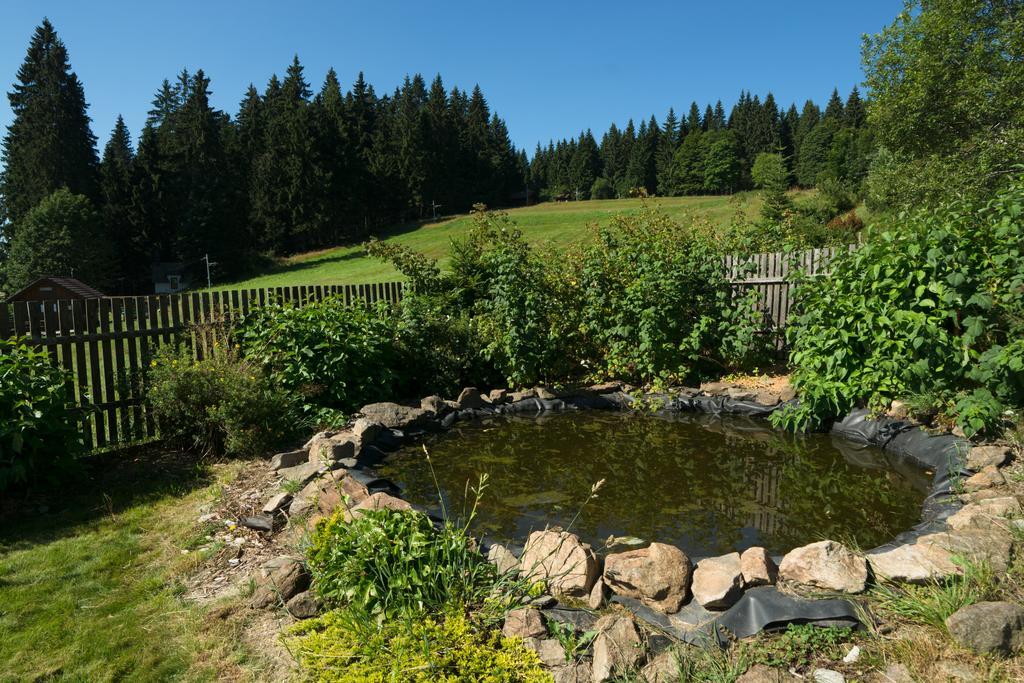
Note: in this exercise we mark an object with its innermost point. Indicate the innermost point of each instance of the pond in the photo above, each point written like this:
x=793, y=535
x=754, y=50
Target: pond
x=709, y=485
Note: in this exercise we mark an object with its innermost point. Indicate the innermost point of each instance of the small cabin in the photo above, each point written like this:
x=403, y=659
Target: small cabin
x=169, y=278
x=51, y=288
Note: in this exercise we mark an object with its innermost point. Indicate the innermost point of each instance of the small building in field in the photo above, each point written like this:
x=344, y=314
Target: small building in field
x=51, y=288
x=169, y=278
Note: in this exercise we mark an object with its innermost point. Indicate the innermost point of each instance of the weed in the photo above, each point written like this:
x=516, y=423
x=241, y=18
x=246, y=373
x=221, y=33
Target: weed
x=799, y=646
x=932, y=603
x=573, y=642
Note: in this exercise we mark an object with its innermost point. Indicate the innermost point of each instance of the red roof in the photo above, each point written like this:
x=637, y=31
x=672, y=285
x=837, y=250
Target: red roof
x=77, y=287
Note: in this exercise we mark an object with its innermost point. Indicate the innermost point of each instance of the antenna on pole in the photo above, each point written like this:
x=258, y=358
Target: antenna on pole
x=209, y=264
x=434, y=206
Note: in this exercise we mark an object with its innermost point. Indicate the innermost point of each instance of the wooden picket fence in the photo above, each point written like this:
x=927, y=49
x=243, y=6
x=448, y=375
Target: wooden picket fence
x=769, y=273
x=107, y=343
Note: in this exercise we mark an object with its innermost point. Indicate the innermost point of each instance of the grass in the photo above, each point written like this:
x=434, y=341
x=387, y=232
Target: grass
x=553, y=224
x=91, y=590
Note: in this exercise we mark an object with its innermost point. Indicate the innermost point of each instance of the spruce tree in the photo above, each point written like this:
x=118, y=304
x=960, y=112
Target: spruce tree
x=834, y=108
x=693, y=120
x=854, y=113
x=123, y=231
x=666, y=154
x=48, y=144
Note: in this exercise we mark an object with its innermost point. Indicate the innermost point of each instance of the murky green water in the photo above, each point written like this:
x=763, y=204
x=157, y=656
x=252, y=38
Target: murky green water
x=708, y=485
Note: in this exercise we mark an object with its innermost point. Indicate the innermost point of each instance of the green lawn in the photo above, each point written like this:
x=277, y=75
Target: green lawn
x=90, y=589
x=554, y=224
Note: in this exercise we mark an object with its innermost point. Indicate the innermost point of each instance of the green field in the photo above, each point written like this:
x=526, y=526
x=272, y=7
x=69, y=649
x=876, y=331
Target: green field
x=555, y=224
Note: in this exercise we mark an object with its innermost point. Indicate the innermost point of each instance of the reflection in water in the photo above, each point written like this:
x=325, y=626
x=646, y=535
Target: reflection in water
x=709, y=485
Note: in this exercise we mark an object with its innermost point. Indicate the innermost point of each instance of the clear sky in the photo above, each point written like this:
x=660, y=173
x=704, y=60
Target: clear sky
x=550, y=69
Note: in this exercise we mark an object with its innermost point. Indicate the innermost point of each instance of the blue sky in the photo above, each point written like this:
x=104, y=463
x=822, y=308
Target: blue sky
x=550, y=68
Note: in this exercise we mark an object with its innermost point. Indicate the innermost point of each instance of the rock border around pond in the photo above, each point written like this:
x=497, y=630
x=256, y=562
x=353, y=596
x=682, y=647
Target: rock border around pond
x=688, y=598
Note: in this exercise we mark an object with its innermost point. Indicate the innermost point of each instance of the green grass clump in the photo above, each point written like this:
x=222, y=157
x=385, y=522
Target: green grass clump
x=799, y=646
x=932, y=603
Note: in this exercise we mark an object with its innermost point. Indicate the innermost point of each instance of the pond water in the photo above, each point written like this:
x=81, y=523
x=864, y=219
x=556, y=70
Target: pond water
x=709, y=485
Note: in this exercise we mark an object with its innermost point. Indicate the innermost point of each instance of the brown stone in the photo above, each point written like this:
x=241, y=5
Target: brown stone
x=434, y=404
x=377, y=501
x=658, y=576
x=984, y=513
x=921, y=562
x=522, y=395
x=980, y=457
x=549, y=650
x=545, y=394
x=394, y=415
x=618, y=648
x=366, y=430
x=278, y=580
x=573, y=672
x=524, y=622
x=988, y=477
x=498, y=396
x=303, y=606
x=824, y=566
x=288, y=459
x=606, y=387
x=989, y=628
x=277, y=503
x=664, y=668
x=568, y=565
x=714, y=388
x=470, y=397
x=596, y=599
x=503, y=559
x=334, y=448
x=757, y=567
x=718, y=581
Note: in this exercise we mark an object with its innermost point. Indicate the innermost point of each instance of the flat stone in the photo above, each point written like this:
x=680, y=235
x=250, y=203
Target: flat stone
x=985, y=512
x=718, y=581
x=827, y=676
x=257, y=522
x=663, y=668
x=277, y=502
x=761, y=673
x=658, y=576
x=989, y=627
x=788, y=393
x=714, y=388
x=596, y=599
x=573, y=672
x=986, y=478
x=278, y=580
x=948, y=670
x=894, y=673
x=898, y=410
x=560, y=558
x=545, y=394
x=470, y=397
x=525, y=622
x=288, y=459
x=393, y=415
x=549, y=650
x=757, y=567
x=335, y=448
x=434, y=404
x=503, y=559
x=605, y=387
x=824, y=566
x=301, y=474
x=740, y=394
x=921, y=562
x=993, y=545
x=617, y=647
x=303, y=606
x=496, y=396
x=321, y=496
x=376, y=501
x=319, y=435
x=979, y=496
x=980, y=457
x=522, y=395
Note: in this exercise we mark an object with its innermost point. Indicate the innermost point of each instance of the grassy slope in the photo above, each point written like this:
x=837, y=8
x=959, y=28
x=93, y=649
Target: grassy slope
x=555, y=224
x=89, y=591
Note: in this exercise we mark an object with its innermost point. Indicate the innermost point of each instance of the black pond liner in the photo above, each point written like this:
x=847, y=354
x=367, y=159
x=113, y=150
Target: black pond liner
x=763, y=608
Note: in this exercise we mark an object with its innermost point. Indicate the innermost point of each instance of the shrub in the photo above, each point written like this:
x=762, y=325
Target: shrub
x=340, y=647
x=219, y=405
x=930, y=304
x=38, y=430
x=649, y=301
x=391, y=563
x=334, y=356
x=602, y=189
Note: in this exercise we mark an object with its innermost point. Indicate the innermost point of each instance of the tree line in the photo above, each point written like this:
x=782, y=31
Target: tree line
x=293, y=170
x=709, y=153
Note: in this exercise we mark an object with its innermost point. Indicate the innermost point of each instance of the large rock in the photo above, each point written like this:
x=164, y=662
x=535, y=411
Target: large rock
x=503, y=559
x=330, y=450
x=524, y=622
x=992, y=545
x=288, y=459
x=301, y=474
x=663, y=668
x=758, y=568
x=989, y=477
x=595, y=600
x=277, y=502
x=366, y=430
x=497, y=396
x=718, y=581
x=303, y=606
x=824, y=566
x=617, y=647
x=573, y=672
x=921, y=562
x=658, y=576
x=470, y=397
x=393, y=415
x=985, y=512
x=989, y=627
x=568, y=565
x=435, y=404
x=278, y=580
x=980, y=457
x=322, y=496
x=377, y=501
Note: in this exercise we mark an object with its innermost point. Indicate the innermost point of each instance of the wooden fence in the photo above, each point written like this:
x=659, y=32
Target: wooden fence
x=107, y=343
x=769, y=273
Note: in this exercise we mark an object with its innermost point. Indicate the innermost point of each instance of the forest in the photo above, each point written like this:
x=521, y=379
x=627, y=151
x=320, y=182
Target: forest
x=296, y=169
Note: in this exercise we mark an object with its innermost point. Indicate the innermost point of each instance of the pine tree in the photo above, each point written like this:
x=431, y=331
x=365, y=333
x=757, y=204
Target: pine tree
x=666, y=154
x=48, y=144
x=834, y=108
x=721, y=158
x=584, y=165
x=689, y=164
x=123, y=232
x=854, y=113
x=693, y=120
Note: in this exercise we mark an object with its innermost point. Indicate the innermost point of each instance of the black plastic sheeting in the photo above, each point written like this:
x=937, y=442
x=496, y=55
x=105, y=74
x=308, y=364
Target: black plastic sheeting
x=763, y=608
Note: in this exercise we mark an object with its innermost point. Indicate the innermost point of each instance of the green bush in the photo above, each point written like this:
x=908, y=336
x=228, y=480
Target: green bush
x=334, y=356
x=388, y=564
x=340, y=647
x=219, y=405
x=39, y=433
x=649, y=302
x=931, y=304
